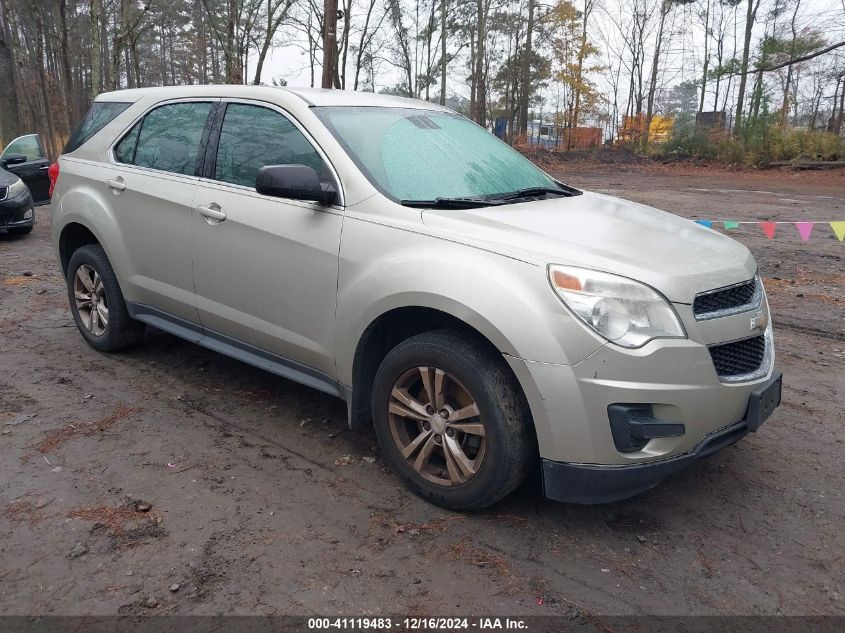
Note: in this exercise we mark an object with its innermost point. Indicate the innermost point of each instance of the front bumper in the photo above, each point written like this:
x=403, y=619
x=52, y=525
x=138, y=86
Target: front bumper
x=13, y=210
x=593, y=483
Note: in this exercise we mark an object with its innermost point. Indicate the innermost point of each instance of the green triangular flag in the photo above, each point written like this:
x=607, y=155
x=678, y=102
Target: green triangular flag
x=838, y=229
x=731, y=224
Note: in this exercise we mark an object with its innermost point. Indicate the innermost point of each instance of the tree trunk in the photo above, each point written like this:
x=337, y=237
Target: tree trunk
x=582, y=51
x=784, y=109
x=525, y=72
x=265, y=45
x=343, y=47
x=67, y=75
x=329, y=42
x=479, y=102
x=231, y=56
x=9, y=107
x=443, y=57
x=706, y=58
x=51, y=140
x=750, y=15
x=95, y=10
x=363, y=43
x=665, y=7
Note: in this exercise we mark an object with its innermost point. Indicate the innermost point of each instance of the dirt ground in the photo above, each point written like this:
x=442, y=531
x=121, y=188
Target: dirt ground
x=170, y=479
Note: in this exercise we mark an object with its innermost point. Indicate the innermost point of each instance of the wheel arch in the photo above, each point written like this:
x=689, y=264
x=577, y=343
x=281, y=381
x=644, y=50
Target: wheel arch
x=74, y=235
x=394, y=325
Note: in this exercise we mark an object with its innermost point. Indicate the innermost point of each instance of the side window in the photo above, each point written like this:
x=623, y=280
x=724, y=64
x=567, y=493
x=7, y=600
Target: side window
x=168, y=138
x=124, y=152
x=252, y=137
x=29, y=146
x=99, y=115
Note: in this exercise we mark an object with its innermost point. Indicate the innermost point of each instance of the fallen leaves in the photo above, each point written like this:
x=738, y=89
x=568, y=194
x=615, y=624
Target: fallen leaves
x=19, y=280
x=472, y=555
x=56, y=438
x=21, y=511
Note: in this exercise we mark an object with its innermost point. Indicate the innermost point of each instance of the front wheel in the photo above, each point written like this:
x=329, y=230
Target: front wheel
x=451, y=420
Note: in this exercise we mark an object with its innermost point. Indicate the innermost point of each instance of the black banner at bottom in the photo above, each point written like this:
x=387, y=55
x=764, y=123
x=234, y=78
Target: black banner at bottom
x=405, y=624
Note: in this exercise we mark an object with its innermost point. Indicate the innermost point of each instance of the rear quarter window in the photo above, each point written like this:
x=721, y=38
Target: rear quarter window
x=98, y=116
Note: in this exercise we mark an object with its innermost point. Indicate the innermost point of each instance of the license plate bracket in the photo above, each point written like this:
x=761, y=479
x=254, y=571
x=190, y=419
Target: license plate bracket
x=763, y=401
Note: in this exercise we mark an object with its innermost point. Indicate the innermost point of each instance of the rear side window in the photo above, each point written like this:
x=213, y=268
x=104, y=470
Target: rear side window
x=168, y=138
x=98, y=116
x=252, y=137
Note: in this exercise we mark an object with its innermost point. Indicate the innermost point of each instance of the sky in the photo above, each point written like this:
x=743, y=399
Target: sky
x=682, y=61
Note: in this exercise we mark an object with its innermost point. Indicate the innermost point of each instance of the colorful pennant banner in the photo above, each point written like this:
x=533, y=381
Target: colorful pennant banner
x=804, y=228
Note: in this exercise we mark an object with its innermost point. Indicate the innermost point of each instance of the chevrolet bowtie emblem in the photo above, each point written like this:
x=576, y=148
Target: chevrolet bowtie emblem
x=759, y=321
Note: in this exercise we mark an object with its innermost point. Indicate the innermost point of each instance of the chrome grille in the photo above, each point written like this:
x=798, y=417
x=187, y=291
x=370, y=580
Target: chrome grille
x=727, y=300
x=3, y=191
x=739, y=358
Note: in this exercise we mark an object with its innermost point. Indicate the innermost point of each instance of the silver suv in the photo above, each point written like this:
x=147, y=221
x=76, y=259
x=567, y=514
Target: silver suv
x=483, y=318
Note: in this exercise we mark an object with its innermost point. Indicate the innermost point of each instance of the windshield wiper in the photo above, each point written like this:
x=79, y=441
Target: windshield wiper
x=531, y=192
x=449, y=203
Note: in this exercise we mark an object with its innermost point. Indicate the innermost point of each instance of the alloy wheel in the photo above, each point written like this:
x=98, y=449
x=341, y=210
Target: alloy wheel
x=436, y=425
x=91, y=302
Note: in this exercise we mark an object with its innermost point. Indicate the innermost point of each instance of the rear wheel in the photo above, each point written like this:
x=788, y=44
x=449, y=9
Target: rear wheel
x=96, y=302
x=451, y=420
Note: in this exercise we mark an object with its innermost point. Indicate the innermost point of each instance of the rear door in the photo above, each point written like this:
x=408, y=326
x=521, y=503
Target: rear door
x=152, y=178
x=33, y=171
x=265, y=268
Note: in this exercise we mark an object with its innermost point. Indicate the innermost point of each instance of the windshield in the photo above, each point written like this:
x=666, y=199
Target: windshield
x=413, y=155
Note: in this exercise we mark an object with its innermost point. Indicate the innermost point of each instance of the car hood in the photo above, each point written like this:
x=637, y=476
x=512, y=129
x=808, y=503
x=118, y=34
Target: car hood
x=676, y=256
x=7, y=178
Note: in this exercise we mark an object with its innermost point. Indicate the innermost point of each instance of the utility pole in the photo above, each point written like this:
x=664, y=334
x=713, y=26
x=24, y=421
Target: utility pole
x=329, y=42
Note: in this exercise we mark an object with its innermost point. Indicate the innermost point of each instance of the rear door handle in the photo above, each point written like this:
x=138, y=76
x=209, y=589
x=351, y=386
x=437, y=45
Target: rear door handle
x=212, y=211
x=44, y=168
x=116, y=184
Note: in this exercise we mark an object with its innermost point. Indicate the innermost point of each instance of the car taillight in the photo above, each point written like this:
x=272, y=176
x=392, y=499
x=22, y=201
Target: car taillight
x=53, y=172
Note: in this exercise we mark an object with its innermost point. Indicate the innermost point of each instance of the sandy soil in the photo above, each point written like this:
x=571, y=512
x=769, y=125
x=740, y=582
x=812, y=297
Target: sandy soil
x=123, y=476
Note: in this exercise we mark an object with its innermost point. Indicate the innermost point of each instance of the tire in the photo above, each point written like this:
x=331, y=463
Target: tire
x=118, y=330
x=470, y=373
x=20, y=230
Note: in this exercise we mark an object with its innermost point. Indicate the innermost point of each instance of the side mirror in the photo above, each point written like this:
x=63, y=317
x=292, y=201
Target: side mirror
x=297, y=182
x=12, y=159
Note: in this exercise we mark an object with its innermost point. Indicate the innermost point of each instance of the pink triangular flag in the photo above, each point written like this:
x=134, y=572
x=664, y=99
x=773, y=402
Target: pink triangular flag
x=769, y=228
x=804, y=228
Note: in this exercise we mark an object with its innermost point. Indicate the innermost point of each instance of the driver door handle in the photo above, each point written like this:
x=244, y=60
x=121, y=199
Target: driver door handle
x=212, y=211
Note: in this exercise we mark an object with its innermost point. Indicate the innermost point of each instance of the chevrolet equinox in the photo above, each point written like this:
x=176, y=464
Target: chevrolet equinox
x=481, y=316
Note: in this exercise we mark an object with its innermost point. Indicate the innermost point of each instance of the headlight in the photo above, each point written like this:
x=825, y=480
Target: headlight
x=16, y=188
x=622, y=310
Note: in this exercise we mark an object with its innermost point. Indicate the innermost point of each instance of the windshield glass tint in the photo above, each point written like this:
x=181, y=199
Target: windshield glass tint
x=414, y=154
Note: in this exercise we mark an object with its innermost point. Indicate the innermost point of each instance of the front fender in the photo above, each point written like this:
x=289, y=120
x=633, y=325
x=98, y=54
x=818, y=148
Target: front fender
x=509, y=301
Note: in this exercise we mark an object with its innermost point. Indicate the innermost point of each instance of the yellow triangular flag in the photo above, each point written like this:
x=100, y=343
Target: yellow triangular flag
x=838, y=229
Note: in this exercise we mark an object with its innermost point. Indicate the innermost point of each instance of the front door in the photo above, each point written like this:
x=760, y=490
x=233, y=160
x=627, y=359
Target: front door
x=265, y=268
x=32, y=170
